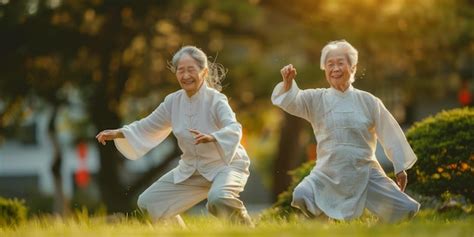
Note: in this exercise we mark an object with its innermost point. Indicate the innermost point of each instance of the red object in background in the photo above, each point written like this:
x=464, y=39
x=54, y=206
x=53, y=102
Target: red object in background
x=82, y=150
x=82, y=176
x=464, y=95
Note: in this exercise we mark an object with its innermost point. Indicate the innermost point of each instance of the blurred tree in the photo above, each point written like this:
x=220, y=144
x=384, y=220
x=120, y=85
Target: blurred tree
x=406, y=52
x=115, y=54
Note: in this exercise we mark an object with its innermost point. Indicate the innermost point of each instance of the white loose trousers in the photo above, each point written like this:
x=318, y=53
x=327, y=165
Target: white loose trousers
x=165, y=198
x=382, y=197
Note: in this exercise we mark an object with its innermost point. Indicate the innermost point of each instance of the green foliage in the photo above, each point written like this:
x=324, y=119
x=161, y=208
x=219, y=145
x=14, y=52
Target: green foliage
x=282, y=207
x=444, y=145
x=12, y=212
x=114, y=53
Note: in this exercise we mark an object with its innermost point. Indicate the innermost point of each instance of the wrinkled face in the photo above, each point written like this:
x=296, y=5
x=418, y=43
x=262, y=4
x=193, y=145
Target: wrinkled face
x=338, y=69
x=189, y=75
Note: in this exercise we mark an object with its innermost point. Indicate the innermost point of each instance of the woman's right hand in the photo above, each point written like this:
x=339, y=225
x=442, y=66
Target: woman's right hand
x=108, y=135
x=288, y=73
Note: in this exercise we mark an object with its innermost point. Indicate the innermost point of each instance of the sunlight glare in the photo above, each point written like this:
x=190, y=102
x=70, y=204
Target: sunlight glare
x=32, y=7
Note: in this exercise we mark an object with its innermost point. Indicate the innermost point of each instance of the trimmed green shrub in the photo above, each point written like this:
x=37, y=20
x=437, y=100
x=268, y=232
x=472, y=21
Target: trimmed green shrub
x=12, y=212
x=444, y=145
x=282, y=207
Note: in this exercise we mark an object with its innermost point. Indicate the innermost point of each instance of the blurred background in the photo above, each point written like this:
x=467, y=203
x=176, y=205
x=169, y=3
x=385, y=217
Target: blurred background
x=70, y=68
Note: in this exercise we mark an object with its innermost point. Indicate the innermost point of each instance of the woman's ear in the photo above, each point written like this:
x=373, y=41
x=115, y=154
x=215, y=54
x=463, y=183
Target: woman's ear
x=353, y=68
x=205, y=72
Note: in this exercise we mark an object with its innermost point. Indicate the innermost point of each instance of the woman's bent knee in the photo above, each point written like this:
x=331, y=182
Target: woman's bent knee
x=412, y=208
x=142, y=201
x=299, y=194
x=216, y=200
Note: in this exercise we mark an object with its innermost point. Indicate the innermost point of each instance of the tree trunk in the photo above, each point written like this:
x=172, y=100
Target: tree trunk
x=111, y=186
x=289, y=153
x=112, y=189
x=61, y=202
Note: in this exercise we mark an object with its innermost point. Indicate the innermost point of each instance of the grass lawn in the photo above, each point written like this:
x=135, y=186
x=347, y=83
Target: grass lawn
x=427, y=223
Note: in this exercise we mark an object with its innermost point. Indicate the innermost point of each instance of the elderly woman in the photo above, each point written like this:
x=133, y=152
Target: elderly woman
x=214, y=165
x=347, y=123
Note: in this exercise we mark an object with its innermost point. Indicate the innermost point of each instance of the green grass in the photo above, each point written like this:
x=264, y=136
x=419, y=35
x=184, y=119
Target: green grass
x=427, y=223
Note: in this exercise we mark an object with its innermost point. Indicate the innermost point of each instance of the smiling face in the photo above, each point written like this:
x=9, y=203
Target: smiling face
x=189, y=75
x=338, y=69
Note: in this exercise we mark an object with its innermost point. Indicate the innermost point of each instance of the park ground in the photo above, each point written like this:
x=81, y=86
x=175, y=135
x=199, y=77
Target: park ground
x=426, y=223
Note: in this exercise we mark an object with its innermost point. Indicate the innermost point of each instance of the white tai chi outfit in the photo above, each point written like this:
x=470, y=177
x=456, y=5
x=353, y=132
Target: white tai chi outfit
x=347, y=177
x=217, y=170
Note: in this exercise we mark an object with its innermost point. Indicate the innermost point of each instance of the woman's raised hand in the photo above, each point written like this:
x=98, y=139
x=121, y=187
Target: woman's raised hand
x=108, y=135
x=288, y=73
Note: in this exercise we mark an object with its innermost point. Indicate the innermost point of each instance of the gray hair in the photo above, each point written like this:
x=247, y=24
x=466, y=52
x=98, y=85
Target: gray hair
x=216, y=73
x=352, y=54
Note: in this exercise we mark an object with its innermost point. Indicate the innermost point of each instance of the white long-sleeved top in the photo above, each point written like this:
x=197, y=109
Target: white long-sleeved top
x=347, y=126
x=207, y=111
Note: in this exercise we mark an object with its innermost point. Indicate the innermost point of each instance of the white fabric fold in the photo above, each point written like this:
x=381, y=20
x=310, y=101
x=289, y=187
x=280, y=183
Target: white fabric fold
x=229, y=136
x=393, y=140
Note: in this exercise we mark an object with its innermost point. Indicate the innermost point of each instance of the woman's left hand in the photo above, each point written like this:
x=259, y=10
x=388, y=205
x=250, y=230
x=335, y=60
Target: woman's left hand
x=201, y=137
x=402, y=180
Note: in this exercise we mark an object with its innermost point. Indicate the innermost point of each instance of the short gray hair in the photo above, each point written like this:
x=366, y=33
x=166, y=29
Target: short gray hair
x=216, y=72
x=352, y=54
